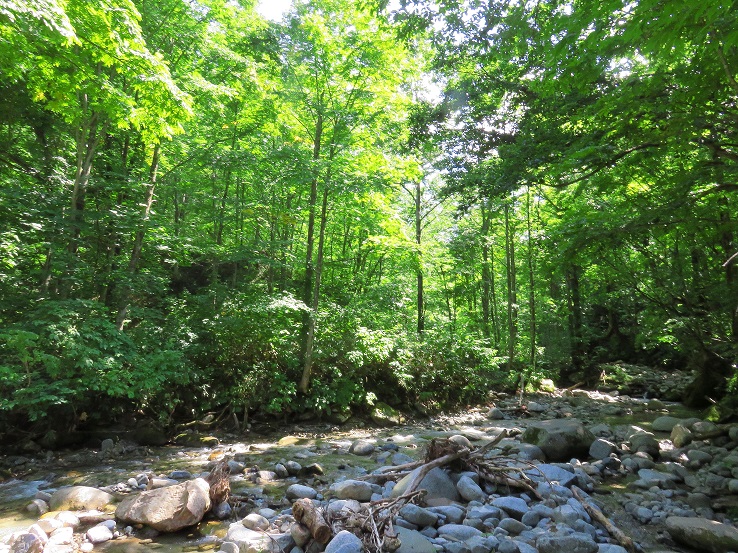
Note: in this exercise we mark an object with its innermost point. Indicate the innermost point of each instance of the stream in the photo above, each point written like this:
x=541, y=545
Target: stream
x=324, y=444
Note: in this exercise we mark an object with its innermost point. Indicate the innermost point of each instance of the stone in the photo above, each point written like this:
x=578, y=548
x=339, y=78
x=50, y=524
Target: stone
x=26, y=543
x=495, y=414
x=293, y=467
x=656, y=478
x=418, y=515
x=470, y=490
x=547, y=385
x=512, y=526
x=344, y=542
x=229, y=547
x=68, y=519
x=62, y=536
x=222, y=510
x=99, y=534
x=167, y=509
x=460, y=440
x=703, y=535
x=362, y=448
x=354, y=489
x=255, y=521
x=300, y=534
x=644, y=442
x=680, y=436
x=551, y=473
x=665, y=423
x=571, y=543
x=437, y=483
x=612, y=548
x=80, y=498
x=459, y=532
x=281, y=471
x=412, y=541
x=535, y=407
x=253, y=541
x=49, y=525
x=559, y=439
x=452, y=513
x=384, y=415
x=38, y=507
x=601, y=449
x=300, y=491
x=513, y=506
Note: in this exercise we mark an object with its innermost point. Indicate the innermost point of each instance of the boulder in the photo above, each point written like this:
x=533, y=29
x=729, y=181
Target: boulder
x=384, y=415
x=571, y=543
x=644, y=442
x=354, y=489
x=459, y=532
x=300, y=491
x=362, y=448
x=665, y=423
x=513, y=506
x=559, y=439
x=702, y=534
x=167, y=509
x=551, y=473
x=601, y=448
x=80, y=498
x=437, y=484
x=470, y=490
x=681, y=435
x=418, y=515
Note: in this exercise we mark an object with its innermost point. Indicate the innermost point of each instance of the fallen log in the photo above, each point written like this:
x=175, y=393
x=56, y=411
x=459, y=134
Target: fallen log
x=596, y=514
x=308, y=514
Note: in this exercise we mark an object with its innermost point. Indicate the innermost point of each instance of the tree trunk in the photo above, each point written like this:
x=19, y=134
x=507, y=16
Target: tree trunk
x=532, y=284
x=419, y=269
x=512, y=294
x=139, y=238
x=575, y=322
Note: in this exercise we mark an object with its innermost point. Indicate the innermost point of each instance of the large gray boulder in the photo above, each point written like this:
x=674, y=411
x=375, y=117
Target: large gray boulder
x=560, y=439
x=437, y=484
x=79, y=498
x=702, y=534
x=167, y=509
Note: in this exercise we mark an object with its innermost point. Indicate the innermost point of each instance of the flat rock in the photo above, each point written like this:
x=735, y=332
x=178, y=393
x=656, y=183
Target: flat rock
x=418, y=515
x=470, y=490
x=513, y=506
x=362, y=448
x=412, y=541
x=665, y=423
x=459, y=532
x=79, y=498
x=300, y=491
x=702, y=534
x=551, y=473
x=571, y=543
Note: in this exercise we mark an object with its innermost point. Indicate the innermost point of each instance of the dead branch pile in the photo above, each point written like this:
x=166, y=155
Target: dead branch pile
x=373, y=523
x=220, y=484
x=495, y=469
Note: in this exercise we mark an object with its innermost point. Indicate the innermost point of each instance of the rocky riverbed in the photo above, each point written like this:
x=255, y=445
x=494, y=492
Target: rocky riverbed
x=585, y=471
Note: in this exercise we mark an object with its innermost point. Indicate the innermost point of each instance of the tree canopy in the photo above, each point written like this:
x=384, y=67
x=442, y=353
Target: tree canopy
x=203, y=210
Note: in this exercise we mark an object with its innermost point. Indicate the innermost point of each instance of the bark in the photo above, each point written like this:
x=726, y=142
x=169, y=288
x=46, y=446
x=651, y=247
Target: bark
x=139, y=238
x=575, y=321
x=308, y=514
x=512, y=295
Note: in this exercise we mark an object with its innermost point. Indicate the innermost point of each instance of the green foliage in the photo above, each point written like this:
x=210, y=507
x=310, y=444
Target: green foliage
x=68, y=354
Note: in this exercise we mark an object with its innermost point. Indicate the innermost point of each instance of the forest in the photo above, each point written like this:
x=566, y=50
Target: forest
x=381, y=202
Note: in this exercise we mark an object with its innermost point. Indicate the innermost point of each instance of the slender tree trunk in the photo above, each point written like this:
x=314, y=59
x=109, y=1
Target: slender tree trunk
x=512, y=295
x=139, y=238
x=485, y=274
x=308, y=366
x=308, y=319
x=575, y=321
x=419, y=270
x=532, y=284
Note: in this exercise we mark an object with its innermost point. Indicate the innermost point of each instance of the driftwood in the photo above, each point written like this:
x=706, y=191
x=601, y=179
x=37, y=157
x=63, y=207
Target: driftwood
x=620, y=536
x=446, y=453
x=311, y=516
x=219, y=481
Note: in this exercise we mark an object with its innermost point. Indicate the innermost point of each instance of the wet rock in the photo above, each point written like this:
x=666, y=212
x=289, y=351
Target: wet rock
x=167, y=509
x=79, y=498
x=300, y=491
x=703, y=535
x=559, y=439
x=437, y=484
